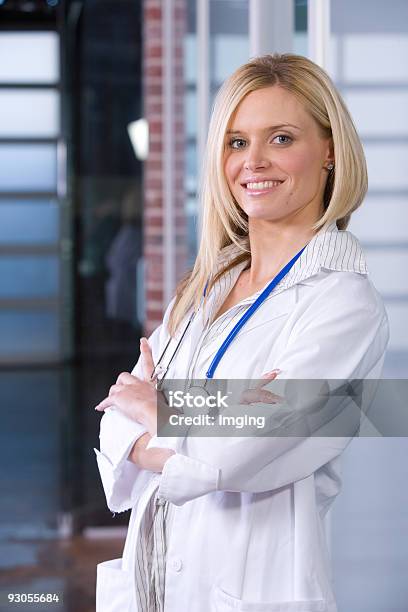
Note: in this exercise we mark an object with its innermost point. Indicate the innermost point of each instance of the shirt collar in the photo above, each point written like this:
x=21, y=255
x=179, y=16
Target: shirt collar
x=330, y=249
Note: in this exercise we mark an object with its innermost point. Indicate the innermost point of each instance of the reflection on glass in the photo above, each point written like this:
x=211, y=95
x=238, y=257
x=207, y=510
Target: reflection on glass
x=28, y=276
x=379, y=103
x=191, y=168
x=379, y=58
x=32, y=222
x=191, y=113
x=229, y=38
x=28, y=333
x=192, y=229
x=230, y=51
x=28, y=167
x=387, y=166
x=29, y=57
x=190, y=58
x=29, y=114
x=300, y=42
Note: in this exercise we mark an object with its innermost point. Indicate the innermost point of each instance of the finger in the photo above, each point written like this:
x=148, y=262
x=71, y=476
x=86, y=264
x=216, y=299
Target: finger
x=114, y=390
x=272, y=373
x=108, y=402
x=253, y=396
x=125, y=378
x=147, y=359
x=277, y=399
x=267, y=378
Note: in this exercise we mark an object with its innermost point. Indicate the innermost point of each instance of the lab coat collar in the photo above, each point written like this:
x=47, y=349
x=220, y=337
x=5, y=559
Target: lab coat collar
x=330, y=249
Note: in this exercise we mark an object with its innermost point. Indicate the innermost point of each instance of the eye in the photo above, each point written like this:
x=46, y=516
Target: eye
x=289, y=139
x=237, y=143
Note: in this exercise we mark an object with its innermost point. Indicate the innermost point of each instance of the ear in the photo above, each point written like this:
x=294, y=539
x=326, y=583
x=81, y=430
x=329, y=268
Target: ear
x=330, y=151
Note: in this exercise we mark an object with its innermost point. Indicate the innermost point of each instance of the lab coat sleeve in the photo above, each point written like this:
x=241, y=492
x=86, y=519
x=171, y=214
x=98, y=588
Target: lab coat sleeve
x=122, y=480
x=335, y=337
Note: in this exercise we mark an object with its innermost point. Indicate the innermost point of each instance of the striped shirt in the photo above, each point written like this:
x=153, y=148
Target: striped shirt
x=151, y=548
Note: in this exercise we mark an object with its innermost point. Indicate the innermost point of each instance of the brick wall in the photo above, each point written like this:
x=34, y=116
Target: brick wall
x=153, y=72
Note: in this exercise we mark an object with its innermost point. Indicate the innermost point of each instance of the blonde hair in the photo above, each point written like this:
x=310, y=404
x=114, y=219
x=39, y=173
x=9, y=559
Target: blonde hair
x=223, y=222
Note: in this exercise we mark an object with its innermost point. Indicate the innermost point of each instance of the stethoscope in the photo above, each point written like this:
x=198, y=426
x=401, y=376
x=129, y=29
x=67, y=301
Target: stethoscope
x=159, y=369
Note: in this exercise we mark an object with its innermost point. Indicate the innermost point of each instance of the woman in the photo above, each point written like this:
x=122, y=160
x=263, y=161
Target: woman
x=238, y=523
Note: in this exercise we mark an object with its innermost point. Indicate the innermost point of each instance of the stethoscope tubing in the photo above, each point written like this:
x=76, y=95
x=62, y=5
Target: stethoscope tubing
x=248, y=314
x=235, y=330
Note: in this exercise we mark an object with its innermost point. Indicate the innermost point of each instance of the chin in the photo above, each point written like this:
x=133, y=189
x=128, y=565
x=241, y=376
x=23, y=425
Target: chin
x=262, y=212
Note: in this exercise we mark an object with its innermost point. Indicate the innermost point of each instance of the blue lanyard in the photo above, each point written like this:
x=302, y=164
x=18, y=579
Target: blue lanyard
x=248, y=314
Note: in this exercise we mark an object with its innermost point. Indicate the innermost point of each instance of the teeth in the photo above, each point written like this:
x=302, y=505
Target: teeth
x=263, y=185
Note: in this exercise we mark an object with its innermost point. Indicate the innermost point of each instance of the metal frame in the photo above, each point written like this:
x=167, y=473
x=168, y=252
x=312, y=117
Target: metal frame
x=28, y=195
x=261, y=14
x=28, y=249
x=271, y=25
x=29, y=140
x=50, y=85
x=318, y=31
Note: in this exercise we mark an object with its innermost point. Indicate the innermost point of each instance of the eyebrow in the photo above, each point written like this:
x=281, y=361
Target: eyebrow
x=267, y=129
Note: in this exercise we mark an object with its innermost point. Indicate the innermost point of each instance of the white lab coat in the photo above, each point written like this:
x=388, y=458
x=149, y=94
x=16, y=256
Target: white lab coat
x=248, y=529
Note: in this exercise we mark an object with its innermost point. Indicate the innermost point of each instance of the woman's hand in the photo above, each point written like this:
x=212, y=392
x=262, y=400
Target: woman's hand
x=135, y=397
x=152, y=459
x=260, y=395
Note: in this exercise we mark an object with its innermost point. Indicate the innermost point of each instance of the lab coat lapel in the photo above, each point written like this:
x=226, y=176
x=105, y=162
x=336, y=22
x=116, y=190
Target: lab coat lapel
x=205, y=315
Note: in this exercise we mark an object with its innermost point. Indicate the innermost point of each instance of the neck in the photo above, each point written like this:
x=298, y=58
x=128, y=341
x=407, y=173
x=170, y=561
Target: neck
x=273, y=245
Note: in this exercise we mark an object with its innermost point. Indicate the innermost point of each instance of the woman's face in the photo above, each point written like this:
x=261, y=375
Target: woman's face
x=275, y=157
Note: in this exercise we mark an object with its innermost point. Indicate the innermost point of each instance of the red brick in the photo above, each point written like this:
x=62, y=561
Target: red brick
x=156, y=127
x=155, y=304
x=153, y=34
x=154, y=51
x=154, y=315
x=154, y=71
x=153, y=214
x=154, y=224
x=151, y=325
x=154, y=89
x=153, y=240
x=155, y=183
x=155, y=294
x=153, y=233
x=155, y=273
x=155, y=144
x=153, y=100
x=154, y=110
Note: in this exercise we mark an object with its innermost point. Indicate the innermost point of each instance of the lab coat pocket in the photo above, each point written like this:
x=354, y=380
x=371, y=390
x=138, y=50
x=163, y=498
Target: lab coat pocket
x=114, y=588
x=223, y=602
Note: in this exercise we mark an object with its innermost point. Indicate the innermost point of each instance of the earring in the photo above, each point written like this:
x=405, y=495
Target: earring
x=330, y=167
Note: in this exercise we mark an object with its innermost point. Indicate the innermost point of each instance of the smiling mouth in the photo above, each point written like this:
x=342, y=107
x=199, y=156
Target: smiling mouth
x=261, y=187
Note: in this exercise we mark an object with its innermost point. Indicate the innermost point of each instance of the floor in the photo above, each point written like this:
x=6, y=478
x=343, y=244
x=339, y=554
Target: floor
x=65, y=567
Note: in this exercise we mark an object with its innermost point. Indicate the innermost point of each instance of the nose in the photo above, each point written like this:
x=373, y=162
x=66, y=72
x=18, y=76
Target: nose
x=255, y=159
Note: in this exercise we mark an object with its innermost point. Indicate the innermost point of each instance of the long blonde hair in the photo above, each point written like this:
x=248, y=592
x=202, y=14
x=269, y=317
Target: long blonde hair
x=223, y=222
